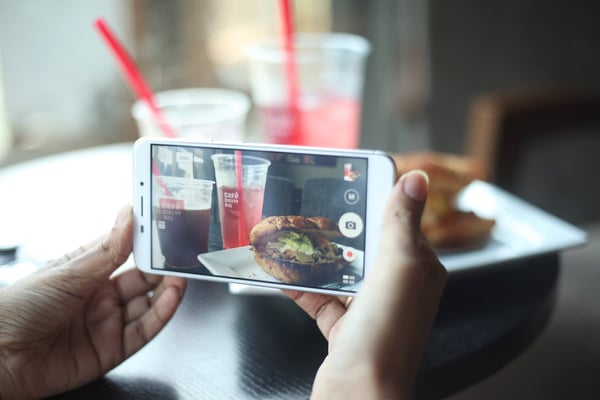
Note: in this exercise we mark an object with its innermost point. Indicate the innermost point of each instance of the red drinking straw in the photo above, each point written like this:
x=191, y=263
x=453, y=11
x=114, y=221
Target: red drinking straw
x=142, y=90
x=240, y=188
x=134, y=77
x=287, y=26
x=138, y=84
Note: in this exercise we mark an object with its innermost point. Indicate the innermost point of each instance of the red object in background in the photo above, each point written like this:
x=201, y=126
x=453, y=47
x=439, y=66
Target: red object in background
x=233, y=209
x=295, y=133
x=138, y=84
x=333, y=123
x=133, y=75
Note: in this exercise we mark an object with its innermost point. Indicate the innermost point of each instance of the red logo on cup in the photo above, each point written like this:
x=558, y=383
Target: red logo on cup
x=170, y=204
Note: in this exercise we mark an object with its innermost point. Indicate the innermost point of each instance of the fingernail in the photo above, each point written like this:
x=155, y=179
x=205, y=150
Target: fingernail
x=123, y=216
x=415, y=184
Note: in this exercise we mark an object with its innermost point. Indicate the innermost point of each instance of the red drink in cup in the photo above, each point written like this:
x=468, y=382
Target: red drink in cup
x=323, y=109
x=240, y=198
x=333, y=122
x=229, y=209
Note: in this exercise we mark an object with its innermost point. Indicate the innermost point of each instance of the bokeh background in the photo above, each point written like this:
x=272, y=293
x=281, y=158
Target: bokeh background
x=60, y=87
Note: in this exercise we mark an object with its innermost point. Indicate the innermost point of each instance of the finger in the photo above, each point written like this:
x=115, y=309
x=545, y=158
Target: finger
x=145, y=296
x=136, y=307
x=134, y=282
x=77, y=274
x=171, y=281
x=406, y=260
x=140, y=331
x=415, y=185
x=74, y=254
x=326, y=310
x=401, y=228
x=399, y=297
x=100, y=258
x=90, y=245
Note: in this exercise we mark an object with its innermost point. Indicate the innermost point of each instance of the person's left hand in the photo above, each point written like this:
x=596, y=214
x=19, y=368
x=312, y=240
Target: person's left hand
x=71, y=322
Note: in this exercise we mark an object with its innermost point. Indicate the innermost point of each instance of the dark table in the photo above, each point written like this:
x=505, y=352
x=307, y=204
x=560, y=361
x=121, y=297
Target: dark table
x=237, y=346
x=224, y=346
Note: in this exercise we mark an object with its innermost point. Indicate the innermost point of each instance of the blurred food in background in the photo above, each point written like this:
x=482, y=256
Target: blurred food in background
x=444, y=225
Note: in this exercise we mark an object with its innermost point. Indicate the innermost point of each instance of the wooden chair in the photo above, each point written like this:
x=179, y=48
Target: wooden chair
x=542, y=145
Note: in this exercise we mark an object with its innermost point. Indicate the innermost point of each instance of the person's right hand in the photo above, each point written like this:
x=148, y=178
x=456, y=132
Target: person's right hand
x=376, y=345
x=74, y=320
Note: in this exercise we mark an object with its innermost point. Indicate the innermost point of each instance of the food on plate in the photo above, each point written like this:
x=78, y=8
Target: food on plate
x=445, y=226
x=297, y=250
x=461, y=229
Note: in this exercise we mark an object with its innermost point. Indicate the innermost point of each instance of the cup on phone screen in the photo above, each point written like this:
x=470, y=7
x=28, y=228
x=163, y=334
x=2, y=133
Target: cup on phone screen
x=239, y=210
x=182, y=210
x=329, y=79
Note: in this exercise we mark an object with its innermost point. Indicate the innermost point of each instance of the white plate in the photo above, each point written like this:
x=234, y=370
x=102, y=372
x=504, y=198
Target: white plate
x=521, y=229
x=239, y=263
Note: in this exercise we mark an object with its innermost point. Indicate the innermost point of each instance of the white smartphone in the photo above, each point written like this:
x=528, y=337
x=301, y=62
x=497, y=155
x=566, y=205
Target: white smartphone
x=269, y=215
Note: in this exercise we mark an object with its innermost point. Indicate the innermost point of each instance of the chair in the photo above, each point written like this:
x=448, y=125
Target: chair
x=542, y=145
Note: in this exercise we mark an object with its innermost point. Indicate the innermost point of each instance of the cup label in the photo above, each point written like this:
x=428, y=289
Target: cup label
x=170, y=208
x=230, y=199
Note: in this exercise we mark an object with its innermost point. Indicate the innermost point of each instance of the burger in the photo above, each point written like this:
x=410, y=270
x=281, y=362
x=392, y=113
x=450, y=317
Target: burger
x=296, y=249
x=445, y=226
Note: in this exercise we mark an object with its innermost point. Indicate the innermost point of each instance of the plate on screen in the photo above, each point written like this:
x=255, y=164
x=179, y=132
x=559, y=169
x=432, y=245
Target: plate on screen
x=239, y=263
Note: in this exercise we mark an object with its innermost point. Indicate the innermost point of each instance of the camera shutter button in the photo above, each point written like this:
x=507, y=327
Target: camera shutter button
x=351, y=225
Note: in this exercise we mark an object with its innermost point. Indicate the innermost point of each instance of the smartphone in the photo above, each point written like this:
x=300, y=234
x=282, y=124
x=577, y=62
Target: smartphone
x=276, y=216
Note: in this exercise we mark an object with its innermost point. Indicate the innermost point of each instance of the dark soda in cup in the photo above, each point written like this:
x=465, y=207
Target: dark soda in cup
x=182, y=216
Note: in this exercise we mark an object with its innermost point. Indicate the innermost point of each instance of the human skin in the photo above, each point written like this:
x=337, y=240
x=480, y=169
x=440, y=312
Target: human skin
x=376, y=344
x=71, y=322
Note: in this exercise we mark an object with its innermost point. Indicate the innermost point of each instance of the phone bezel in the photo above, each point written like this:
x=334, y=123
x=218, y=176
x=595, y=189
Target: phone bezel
x=381, y=175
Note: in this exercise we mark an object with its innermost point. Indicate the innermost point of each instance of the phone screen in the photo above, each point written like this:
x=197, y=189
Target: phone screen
x=264, y=216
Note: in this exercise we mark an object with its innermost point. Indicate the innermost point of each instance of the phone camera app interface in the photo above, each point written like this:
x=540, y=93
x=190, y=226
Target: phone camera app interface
x=262, y=216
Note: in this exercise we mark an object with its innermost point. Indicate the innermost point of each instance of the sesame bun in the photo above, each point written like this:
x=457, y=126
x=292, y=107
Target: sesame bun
x=285, y=265
x=275, y=224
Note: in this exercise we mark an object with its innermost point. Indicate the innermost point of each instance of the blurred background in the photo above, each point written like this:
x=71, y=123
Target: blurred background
x=60, y=88
x=442, y=76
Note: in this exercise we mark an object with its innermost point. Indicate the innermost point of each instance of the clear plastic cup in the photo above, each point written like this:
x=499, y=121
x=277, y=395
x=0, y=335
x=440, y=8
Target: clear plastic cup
x=198, y=113
x=330, y=73
x=182, y=217
x=239, y=210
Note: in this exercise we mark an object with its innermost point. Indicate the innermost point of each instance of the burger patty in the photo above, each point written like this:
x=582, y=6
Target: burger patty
x=297, y=250
x=327, y=254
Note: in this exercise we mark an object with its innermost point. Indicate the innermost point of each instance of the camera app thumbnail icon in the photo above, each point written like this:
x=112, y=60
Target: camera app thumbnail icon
x=351, y=225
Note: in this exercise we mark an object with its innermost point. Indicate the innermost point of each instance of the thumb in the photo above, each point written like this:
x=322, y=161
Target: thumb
x=89, y=265
x=100, y=259
x=407, y=275
x=402, y=224
x=399, y=297
x=111, y=251
x=65, y=284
